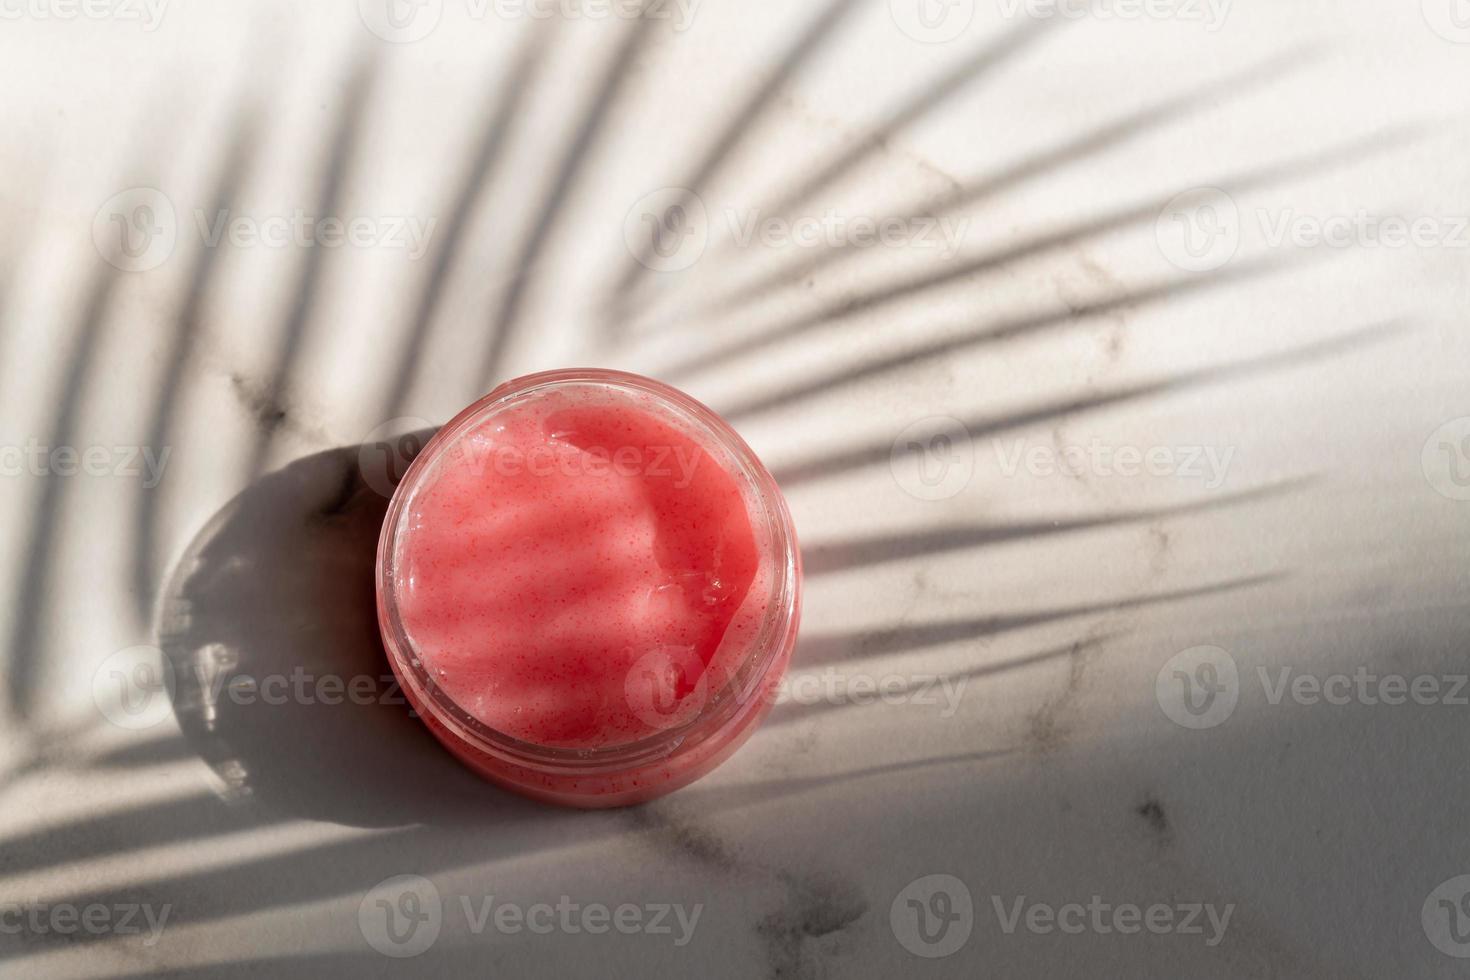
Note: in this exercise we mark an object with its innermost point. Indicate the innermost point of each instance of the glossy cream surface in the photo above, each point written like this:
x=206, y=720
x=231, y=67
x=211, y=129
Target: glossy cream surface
x=574, y=566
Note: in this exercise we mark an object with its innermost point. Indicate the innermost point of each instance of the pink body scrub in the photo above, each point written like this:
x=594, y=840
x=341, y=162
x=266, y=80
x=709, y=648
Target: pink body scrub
x=589, y=588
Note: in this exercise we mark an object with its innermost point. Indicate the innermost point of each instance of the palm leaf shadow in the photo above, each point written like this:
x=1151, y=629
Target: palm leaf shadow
x=1111, y=221
x=269, y=400
x=915, y=107
x=350, y=867
x=38, y=555
x=606, y=95
x=865, y=552
x=820, y=32
x=501, y=113
x=1101, y=139
x=234, y=173
x=843, y=461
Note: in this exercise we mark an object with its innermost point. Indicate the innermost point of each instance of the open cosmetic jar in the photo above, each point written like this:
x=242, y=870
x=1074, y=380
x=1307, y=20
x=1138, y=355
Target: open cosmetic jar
x=589, y=588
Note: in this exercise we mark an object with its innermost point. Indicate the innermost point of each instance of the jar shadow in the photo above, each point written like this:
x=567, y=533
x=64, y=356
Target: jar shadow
x=280, y=680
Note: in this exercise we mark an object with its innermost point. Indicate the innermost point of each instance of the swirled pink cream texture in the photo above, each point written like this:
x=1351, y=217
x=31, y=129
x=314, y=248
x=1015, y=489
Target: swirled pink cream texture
x=569, y=547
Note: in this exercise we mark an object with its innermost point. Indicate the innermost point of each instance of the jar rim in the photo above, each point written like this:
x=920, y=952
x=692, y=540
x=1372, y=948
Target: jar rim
x=767, y=648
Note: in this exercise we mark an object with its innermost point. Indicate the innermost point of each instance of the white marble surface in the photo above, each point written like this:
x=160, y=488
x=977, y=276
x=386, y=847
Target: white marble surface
x=1326, y=535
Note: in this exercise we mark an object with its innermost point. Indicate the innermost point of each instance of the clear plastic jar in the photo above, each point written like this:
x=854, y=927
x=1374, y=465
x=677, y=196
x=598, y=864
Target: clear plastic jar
x=691, y=711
